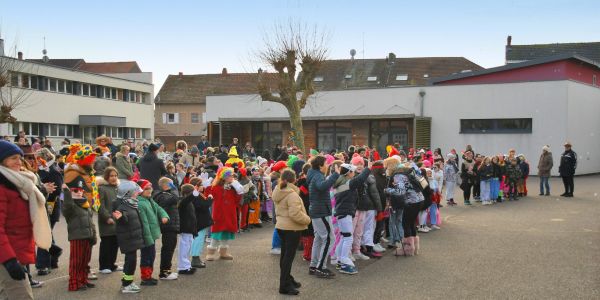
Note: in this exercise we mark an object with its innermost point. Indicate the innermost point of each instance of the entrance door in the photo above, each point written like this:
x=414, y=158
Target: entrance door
x=89, y=134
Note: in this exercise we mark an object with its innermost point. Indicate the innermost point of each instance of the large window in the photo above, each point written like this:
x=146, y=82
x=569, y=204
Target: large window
x=520, y=125
x=266, y=135
x=388, y=132
x=334, y=135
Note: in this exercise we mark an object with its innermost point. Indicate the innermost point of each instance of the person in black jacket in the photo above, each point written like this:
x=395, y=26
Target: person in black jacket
x=168, y=200
x=486, y=173
x=204, y=220
x=151, y=167
x=129, y=231
x=566, y=169
x=188, y=226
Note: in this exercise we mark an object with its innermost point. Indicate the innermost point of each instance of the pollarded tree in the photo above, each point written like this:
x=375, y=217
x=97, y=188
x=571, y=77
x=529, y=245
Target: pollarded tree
x=12, y=96
x=288, y=49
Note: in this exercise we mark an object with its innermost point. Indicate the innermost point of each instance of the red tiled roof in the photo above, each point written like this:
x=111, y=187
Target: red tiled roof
x=111, y=67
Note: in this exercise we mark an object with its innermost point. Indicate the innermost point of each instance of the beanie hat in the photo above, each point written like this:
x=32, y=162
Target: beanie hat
x=7, y=149
x=261, y=161
x=329, y=159
x=357, y=159
x=278, y=166
x=153, y=147
x=427, y=164
x=314, y=152
x=143, y=183
x=127, y=188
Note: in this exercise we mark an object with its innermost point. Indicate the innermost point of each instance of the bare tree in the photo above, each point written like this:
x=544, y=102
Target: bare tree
x=288, y=47
x=12, y=96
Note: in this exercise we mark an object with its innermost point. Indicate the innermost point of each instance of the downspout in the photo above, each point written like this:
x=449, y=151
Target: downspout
x=422, y=98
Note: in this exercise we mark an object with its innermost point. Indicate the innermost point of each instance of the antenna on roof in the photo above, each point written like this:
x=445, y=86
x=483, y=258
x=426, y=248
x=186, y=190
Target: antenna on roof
x=45, y=58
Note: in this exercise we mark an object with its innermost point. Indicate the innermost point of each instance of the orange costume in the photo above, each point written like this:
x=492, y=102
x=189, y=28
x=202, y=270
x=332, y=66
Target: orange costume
x=79, y=169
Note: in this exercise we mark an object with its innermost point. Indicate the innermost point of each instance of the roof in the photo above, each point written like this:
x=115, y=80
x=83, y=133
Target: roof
x=524, y=64
x=373, y=73
x=530, y=52
x=69, y=63
x=181, y=89
x=111, y=67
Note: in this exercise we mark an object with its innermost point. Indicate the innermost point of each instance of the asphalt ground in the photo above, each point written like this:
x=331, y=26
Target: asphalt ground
x=536, y=248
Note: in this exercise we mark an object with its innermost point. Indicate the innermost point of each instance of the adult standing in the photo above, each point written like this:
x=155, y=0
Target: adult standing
x=566, y=169
x=203, y=144
x=291, y=221
x=24, y=227
x=544, y=166
x=123, y=163
x=151, y=167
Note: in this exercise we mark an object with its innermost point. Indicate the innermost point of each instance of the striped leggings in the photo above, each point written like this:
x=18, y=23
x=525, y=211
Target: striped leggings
x=79, y=263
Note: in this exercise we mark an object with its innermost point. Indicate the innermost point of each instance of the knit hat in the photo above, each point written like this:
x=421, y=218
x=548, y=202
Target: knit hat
x=347, y=168
x=143, y=183
x=261, y=161
x=278, y=166
x=314, y=152
x=329, y=159
x=357, y=159
x=153, y=147
x=127, y=188
x=8, y=149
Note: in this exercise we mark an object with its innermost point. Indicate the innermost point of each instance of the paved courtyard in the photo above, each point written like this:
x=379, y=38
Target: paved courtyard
x=536, y=248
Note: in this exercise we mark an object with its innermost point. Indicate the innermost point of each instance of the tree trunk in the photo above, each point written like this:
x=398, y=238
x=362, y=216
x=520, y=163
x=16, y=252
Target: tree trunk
x=296, y=128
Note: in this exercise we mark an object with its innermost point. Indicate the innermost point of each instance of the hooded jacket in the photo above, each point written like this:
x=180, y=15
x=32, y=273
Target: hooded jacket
x=80, y=225
x=108, y=195
x=152, y=169
x=290, y=211
x=169, y=202
x=129, y=228
x=346, y=193
x=368, y=195
x=123, y=166
x=568, y=163
x=150, y=214
x=187, y=215
x=318, y=193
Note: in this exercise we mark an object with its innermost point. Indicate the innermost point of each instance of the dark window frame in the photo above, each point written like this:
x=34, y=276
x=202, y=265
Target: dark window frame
x=495, y=126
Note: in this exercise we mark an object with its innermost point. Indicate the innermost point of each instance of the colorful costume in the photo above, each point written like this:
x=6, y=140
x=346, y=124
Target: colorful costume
x=80, y=161
x=234, y=158
x=102, y=142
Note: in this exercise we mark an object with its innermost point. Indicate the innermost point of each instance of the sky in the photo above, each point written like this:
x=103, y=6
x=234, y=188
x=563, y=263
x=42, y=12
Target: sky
x=200, y=37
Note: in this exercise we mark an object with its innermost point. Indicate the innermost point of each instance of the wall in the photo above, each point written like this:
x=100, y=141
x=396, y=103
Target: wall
x=549, y=71
x=583, y=126
x=583, y=73
x=185, y=118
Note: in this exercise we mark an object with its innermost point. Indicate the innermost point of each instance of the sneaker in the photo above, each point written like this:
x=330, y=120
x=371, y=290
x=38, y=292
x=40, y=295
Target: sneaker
x=360, y=256
x=105, y=271
x=435, y=227
x=423, y=229
x=130, y=289
x=338, y=266
x=168, y=276
x=276, y=251
x=119, y=269
x=36, y=284
x=467, y=202
x=324, y=273
x=92, y=276
x=378, y=248
x=90, y=285
x=348, y=269
x=189, y=271
x=43, y=272
x=312, y=271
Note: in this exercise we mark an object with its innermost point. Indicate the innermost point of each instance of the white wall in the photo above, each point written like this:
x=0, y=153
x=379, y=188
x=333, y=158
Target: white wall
x=583, y=111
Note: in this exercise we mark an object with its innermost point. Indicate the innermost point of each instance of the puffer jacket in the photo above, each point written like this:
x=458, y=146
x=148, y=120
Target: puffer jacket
x=318, y=193
x=80, y=225
x=123, y=166
x=151, y=215
x=152, y=169
x=346, y=193
x=129, y=229
x=368, y=196
x=450, y=172
x=545, y=164
x=169, y=202
x=291, y=214
x=486, y=172
x=16, y=230
x=108, y=194
x=187, y=213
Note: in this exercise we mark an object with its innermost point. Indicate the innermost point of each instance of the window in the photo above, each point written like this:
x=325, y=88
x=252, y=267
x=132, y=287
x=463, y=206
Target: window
x=14, y=79
x=348, y=76
x=34, y=82
x=266, y=135
x=389, y=132
x=62, y=130
x=93, y=90
x=61, y=86
x=100, y=91
x=86, y=89
x=402, y=77
x=372, y=78
x=521, y=125
x=25, y=81
x=334, y=135
x=170, y=118
x=318, y=79
x=52, y=84
x=195, y=118
x=69, y=87
x=126, y=95
x=53, y=130
x=113, y=93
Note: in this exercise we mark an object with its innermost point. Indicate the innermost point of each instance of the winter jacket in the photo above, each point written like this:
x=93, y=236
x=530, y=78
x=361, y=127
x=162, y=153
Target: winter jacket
x=303, y=192
x=524, y=167
x=346, y=193
x=187, y=215
x=202, y=207
x=318, y=193
x=80, y=225
x=190, y=160
x=108, y=195
x=380, y=183
x=401, y=186
x=568, y=163
x=368, y=196
x=16, y=229
x=123, y=166
x=151, y=215
x=486, y=172
x=129, y=229
x=152, y=169
x=250, y=194
x=290, y=211
x=545, y=164
x=224, y=211
x=466, y=176
x=450, y=172
x=53, y=174
x=168, y=201
x=513, y=173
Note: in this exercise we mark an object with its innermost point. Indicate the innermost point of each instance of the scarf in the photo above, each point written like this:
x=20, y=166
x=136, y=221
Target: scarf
x=25, y=183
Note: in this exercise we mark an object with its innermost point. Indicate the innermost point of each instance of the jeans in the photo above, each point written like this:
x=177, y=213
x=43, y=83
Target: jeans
x=275, y=241
x=289, y=243
x=395, y=224
x=433, y=214
x=484, y=188
x=322, y=243
x=198, y=243
x=494, y=189
x=544, y=183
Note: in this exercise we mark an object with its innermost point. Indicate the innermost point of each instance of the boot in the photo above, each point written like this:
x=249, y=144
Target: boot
x=223, y=253
x=409, y=246
x=417, y=244
x=399, y=249
x=211, y=254
x=197, y=262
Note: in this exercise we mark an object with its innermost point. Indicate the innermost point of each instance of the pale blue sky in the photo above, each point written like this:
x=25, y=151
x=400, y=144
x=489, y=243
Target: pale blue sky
x=166, y=37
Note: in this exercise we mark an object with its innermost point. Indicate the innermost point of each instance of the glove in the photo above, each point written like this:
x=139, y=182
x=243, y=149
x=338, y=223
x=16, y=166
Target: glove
x=14, y=269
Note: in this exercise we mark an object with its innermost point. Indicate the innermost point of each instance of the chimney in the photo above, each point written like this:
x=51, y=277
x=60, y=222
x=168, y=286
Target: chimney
x=508, y=40
x=260, y=70
x=1, y=47
x=391, y=58
x=224, y=71
x=20, y=55
x=180, y=74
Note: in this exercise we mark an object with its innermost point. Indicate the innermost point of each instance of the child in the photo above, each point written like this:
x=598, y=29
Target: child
x=82, y=233
x=188, y=227
x=346, y=187
x=435, y=198
x=129, y=231
x=524, y=167
x=364, y=219
x=204, y=220
x=450, y=176
x=495, y=184
x=248, y=197
x=167, y=199
x=513, y=174
x=502, y=177
x=152, y=215
x=485, y=172
x=179, y=174
x=262, y=195
x=308, y=234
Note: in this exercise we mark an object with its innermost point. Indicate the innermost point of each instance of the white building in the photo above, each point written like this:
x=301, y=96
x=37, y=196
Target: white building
x=69, y=98
x=492, y=117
